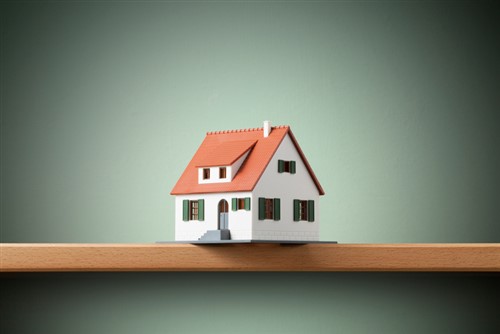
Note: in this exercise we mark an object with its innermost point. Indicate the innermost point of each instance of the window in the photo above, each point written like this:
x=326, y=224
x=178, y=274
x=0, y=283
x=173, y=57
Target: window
x=206, y=173
x=285, y=166
x=193, y=210
x=303, y=210
x=269, y=208
x=240, y=204
x=222, y=172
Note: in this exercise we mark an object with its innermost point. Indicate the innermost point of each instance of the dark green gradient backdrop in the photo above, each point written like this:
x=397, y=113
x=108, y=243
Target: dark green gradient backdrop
x=395, y=104
x=251, y=303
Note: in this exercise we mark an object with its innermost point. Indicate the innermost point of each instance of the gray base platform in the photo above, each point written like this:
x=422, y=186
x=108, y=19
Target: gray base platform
x=249, y=241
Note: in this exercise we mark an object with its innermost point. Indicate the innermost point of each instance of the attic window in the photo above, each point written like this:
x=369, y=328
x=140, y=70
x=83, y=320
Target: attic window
x=222, y=173
x=206, y=173
x=286, y=166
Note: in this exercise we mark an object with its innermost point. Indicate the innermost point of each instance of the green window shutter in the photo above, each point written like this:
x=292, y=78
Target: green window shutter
x=292, y=167
x=185, y=210
x=281, y=166
x=234, y=204
x=247, y=203
x=262, y=208
x=201, y=209
x=296, y=210
x=277, y=209
x=310, y=211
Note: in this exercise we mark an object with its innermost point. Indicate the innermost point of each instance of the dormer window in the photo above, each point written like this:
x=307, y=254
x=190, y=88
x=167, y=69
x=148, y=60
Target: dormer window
x=286, y=166
x=206, y=173
x=222, y=162
x=222, y=172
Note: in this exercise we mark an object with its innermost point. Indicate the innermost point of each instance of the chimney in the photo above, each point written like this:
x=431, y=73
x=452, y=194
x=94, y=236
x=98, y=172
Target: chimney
x=267, y=128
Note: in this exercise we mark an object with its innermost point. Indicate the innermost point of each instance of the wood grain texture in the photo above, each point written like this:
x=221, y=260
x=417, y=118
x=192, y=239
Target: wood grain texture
x=249, y=257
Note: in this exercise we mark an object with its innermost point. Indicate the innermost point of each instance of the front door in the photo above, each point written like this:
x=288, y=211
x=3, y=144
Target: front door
x=223, y=215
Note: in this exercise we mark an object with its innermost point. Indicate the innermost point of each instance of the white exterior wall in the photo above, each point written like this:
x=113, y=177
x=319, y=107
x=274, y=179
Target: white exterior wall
x=240, y=222
x=236, y=166
x=287, y=187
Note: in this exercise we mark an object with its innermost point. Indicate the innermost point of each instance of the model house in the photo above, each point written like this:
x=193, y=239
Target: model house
x=249, y=184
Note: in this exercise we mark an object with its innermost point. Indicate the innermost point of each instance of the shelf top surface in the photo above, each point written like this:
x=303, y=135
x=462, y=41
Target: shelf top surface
x=249, y=257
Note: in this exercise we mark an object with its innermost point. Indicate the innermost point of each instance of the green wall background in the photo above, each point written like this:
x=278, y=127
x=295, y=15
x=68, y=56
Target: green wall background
x=395, y=104
x=250, y=303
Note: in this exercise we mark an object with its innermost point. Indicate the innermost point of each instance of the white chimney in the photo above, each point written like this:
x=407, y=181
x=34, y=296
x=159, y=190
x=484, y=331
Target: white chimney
x=267, y=128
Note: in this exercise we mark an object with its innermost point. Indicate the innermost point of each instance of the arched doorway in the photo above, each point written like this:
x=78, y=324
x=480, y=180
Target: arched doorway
x=223, y=215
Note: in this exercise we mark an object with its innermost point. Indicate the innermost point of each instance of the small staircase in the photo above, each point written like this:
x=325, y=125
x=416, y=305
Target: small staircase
x=216, y=235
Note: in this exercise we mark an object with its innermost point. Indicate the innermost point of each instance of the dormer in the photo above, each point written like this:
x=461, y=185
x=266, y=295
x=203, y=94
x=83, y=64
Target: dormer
x=223, y=161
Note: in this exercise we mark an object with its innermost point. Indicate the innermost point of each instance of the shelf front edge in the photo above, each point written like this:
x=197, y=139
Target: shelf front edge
x=250, y=257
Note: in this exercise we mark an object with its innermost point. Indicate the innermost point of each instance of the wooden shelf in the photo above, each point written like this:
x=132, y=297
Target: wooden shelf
x=249, y=257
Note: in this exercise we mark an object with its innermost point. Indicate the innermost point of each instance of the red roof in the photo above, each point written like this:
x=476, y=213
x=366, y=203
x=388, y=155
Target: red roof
x=231, y=145
x=225, y=153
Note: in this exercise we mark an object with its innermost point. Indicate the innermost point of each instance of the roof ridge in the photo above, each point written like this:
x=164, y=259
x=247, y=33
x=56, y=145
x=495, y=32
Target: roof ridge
x=245, y=130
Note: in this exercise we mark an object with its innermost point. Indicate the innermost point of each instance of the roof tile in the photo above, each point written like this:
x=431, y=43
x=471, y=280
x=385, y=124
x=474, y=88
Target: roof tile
x=225, y=153
x=237, y=142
